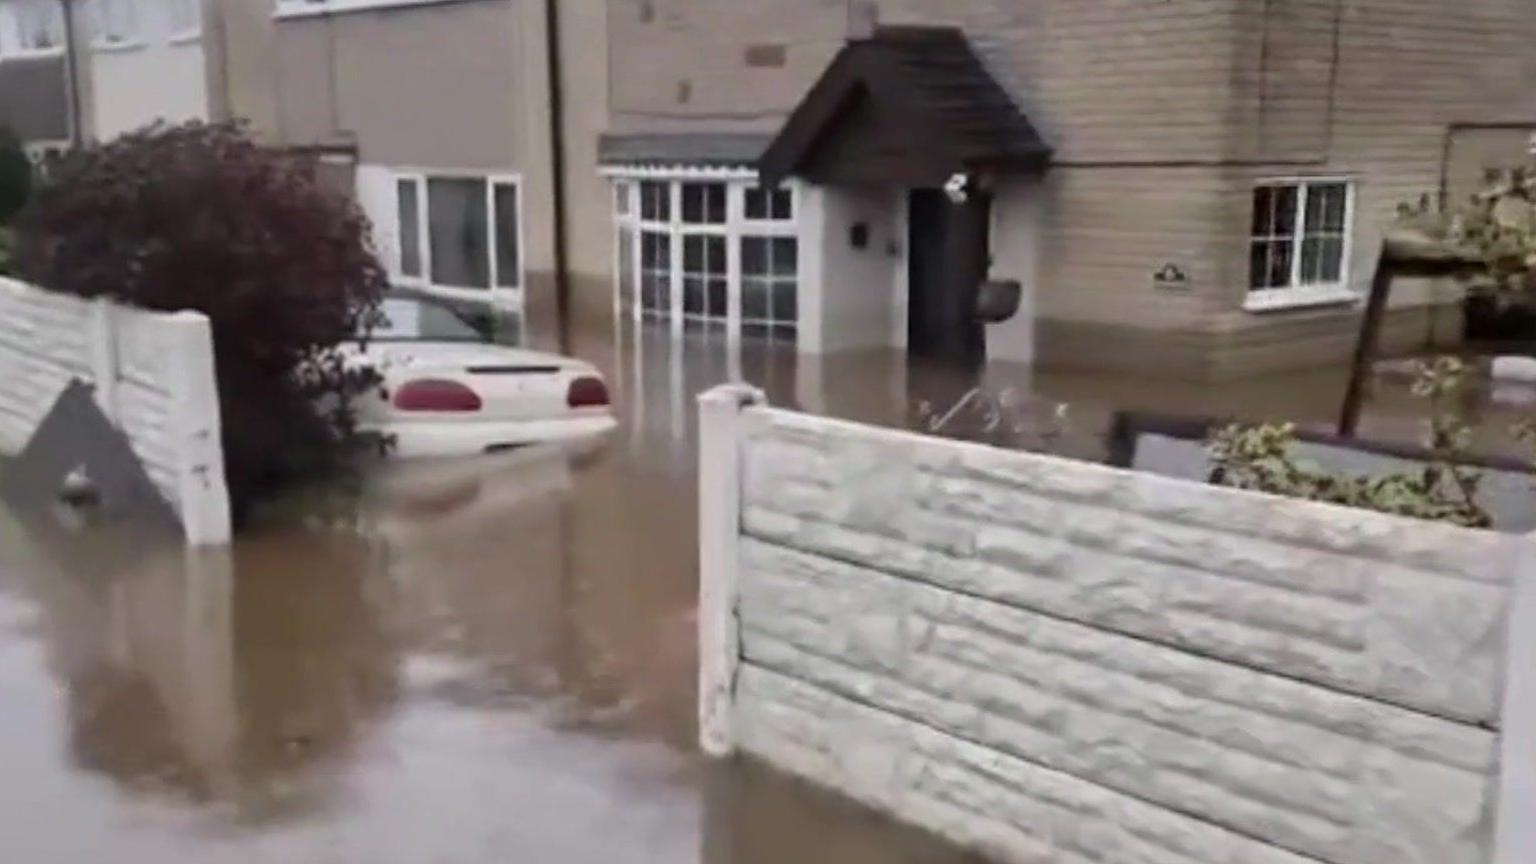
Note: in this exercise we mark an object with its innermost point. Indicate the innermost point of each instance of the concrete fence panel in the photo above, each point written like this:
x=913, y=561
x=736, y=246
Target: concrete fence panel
x=1056, y=661
x=153, y=376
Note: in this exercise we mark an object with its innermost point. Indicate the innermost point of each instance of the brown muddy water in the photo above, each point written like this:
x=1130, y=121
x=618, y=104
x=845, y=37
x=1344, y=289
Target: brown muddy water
x=485, y=661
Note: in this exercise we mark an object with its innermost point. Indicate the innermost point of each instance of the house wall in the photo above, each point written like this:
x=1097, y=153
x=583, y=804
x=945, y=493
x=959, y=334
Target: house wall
x=34, y=101
x=849, y=296
x=1162, y=115
x=1407, y=71
x=1054, y=660
x=132, y=87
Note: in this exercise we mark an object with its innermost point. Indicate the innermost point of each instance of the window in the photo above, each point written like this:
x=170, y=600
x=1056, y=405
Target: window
x=656, y=273
x=458, y=232
x=770, y=285
x=705, y=278
x=712, y=252
x=31, y=27
x=410, y=228
x=770, y=205
x=704, y=203
x=117, y=22
x=183, y=18
x=1299, y=241
x=656, y=201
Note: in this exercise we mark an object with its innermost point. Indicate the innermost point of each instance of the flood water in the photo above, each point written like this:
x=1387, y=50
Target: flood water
x=488, y=661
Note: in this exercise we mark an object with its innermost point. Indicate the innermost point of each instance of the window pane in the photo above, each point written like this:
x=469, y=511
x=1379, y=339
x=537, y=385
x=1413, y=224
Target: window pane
x=718, y=298
x=458, y=232
x=1326, y=203
x=117, y=21
x=1311, y=259
x=410, y=227
x=1280, y=257
x=693, y=295
x=757, y=203
x=783, y=204
x=754, y=256
x=656, y=272
x=704, y=203
x=786, y=307
x=754, y=299
x=626, y=270
x=786, y=258
x=656, y=201
x=185, y=16
x=1285, y=211
x=1258, y=266
x=693, y=254
x=1263, y=211
x=1332, y=260
x=508, y=259
x=770, y=204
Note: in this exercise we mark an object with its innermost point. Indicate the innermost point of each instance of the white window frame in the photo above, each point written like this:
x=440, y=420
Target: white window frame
x=11, y=47
x=135, y=32
x=321, y=8
x=737, y=227
x=192, y=33
x=502, y=295
x=1299, y=294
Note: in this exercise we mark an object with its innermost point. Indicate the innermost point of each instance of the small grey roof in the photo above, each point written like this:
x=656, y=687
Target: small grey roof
x=690, y=148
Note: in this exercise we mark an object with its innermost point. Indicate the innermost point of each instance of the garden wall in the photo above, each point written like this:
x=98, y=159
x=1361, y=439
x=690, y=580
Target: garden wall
x=1056, y=661
x=153, y=377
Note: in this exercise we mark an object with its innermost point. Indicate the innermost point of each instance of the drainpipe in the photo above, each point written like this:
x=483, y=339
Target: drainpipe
x=557, y=160
x=72, y=75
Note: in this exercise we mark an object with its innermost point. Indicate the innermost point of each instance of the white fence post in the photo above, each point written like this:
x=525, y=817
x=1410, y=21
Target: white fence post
x=720, y=468
x=196, y=429
x=102, y=345
x=1515, y=840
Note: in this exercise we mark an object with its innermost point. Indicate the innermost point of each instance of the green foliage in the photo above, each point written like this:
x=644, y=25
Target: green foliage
x=1262, y=458
x=15, y=178
x=1496, y=225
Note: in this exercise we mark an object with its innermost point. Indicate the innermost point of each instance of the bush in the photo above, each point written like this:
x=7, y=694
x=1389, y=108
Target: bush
x=199, y=217
x=15, y=175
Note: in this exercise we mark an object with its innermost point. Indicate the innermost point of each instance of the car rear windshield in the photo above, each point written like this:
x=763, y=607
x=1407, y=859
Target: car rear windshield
x=416, y=321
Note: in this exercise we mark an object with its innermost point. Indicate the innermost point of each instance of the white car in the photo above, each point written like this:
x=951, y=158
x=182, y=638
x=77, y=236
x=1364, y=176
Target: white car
x=448, y=391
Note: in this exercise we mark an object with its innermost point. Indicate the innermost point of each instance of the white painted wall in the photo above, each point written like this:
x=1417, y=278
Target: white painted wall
x=1053, y=660
x=154, y=80
x=154, y=378
x=853, y=290
x=1017, y=226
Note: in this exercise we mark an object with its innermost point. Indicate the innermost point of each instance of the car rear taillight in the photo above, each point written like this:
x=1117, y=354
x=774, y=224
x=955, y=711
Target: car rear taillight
x=587, y=393
x=437, y=394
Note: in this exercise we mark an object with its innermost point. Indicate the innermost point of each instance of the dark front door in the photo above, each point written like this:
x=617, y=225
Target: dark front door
x=947, y=260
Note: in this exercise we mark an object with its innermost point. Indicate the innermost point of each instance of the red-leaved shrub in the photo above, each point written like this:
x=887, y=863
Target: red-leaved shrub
x=198, y=216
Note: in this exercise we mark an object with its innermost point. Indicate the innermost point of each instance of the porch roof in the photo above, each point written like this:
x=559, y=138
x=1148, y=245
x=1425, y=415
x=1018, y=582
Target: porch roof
x=720, y=149
x=911, y=104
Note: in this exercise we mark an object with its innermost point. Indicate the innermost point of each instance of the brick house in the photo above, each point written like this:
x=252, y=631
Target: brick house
x=1219, y=178
x=1190, y=188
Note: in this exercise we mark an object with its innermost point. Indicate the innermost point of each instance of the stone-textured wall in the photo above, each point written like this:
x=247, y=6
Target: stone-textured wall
x=153, y=376
x=1057, y=661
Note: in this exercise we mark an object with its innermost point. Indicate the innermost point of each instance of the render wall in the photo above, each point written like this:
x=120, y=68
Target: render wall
x=1057, y=661
x=134, y=86
x=153, y=377
x=850, y=294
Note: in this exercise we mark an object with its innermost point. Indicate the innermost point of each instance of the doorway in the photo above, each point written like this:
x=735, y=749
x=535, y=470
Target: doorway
x=948, y=258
